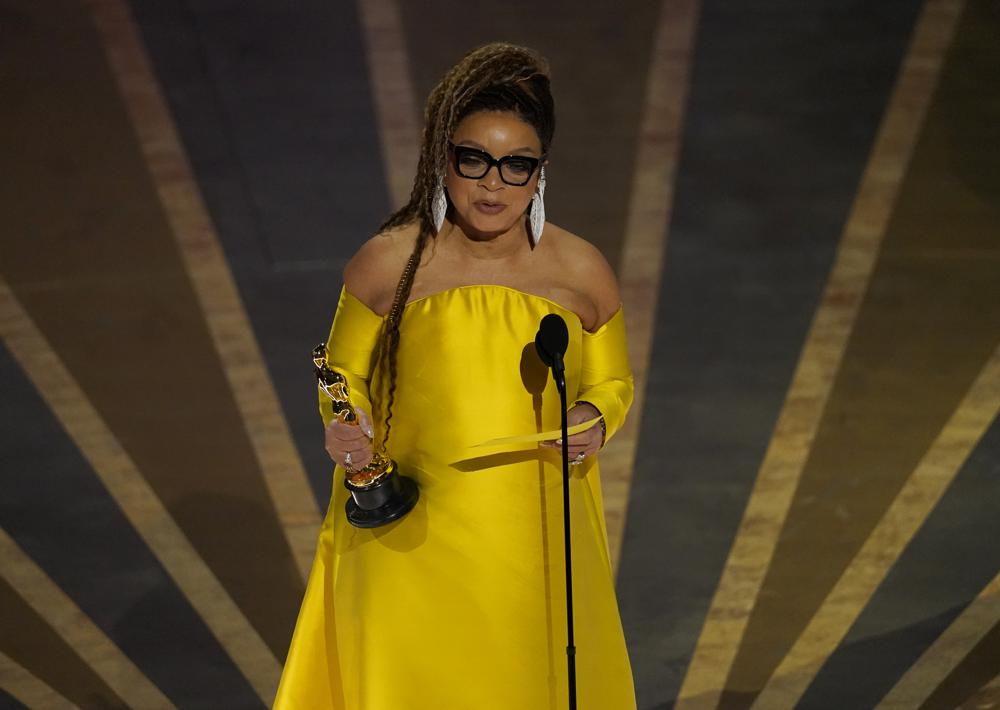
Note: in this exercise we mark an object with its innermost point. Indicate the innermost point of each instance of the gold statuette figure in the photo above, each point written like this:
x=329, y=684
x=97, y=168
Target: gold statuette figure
x=379, y=494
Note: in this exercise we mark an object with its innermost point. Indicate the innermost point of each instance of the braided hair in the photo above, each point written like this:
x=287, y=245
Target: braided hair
x=494, y=77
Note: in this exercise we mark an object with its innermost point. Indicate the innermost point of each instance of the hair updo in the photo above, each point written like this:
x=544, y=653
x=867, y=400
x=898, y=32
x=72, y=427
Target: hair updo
x=495, y=77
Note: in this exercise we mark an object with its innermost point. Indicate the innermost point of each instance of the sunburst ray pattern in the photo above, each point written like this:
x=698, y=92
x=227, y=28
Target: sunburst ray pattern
x=801, y=201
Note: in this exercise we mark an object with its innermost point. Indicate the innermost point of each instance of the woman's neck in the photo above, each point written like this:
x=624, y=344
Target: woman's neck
x=488, y=246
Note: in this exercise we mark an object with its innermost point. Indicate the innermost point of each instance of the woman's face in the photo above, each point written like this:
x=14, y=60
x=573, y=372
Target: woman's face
x=487, y=205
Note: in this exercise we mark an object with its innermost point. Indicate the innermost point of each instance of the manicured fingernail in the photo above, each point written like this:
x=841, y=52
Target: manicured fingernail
x=559, y=441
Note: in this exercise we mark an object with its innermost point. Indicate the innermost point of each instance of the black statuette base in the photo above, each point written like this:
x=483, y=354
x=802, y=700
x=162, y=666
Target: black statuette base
x=379, y=505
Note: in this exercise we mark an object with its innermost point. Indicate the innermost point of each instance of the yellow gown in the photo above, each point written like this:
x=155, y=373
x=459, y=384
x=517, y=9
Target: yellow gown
x=461, y=604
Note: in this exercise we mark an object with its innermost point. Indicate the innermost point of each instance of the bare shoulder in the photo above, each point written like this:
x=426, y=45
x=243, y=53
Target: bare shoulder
x=372, y=273
x=588, y=269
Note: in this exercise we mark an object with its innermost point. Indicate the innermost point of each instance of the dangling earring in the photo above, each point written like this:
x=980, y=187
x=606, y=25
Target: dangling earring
x=439, y=205
x=537, y=215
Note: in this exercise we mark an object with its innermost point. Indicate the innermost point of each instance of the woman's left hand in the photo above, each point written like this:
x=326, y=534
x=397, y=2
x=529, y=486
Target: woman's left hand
x=586, y=442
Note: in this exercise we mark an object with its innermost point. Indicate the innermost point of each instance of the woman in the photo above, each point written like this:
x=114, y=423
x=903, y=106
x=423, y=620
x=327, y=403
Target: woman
x=461, y=603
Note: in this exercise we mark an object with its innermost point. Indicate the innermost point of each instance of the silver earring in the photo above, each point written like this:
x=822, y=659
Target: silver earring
x=537, y=214
x=440, y=205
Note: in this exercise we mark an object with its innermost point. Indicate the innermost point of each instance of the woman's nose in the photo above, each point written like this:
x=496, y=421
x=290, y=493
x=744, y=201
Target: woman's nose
x=492, y=178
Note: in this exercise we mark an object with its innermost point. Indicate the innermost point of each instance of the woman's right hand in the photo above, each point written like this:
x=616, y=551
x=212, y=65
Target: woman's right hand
x=355, y=439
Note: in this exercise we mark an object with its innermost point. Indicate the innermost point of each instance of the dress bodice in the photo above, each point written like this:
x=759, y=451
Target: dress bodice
x=468, y=370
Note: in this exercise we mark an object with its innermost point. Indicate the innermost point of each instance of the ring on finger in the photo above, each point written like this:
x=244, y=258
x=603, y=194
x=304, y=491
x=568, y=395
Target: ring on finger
x=348, y=463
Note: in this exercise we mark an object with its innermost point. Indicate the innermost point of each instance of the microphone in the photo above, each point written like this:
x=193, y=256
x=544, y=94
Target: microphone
x=551, y=342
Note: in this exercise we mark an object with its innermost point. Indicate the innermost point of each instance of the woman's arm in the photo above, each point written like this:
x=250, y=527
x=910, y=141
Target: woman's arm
x=606, y=379
x=350, y=351
x=352, y=346
x=606, y=383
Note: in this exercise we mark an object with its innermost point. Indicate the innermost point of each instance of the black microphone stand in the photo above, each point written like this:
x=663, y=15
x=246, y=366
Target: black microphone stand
x=551, y=342
x=559, y=374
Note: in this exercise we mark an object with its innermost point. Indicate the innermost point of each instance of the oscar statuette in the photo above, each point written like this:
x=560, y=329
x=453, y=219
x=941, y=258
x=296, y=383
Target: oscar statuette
x=379, y=494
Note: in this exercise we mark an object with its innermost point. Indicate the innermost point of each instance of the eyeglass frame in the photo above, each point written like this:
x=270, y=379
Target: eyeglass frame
x=498, y=162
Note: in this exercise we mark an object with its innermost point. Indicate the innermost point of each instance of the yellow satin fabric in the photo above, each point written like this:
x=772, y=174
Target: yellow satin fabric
x=461, y=604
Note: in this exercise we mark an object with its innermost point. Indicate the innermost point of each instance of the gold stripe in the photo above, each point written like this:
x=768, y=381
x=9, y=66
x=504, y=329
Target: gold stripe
x=900, y=523
x=126, y=485
x=944, y=655
x=27, y=688
x=812, y=381
x=76, y=629
x=395, y=101
x=205, y=263
x=650, y=203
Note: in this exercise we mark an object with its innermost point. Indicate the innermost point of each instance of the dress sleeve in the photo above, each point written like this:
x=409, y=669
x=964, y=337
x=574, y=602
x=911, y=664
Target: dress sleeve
x=605, y=376
x=350, y=349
